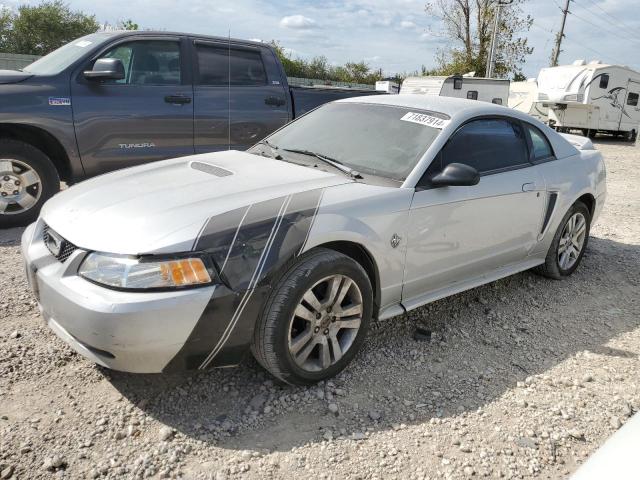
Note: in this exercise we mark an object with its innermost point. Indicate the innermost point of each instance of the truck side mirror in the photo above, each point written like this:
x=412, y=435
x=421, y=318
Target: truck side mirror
x=106, y=69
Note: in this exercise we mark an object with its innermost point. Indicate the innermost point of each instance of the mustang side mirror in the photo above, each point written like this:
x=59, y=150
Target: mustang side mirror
x=456, y=175
x=106, y=69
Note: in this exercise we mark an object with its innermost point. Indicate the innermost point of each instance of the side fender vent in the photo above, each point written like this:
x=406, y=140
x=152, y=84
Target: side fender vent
x=551, y=203
x=211, y=169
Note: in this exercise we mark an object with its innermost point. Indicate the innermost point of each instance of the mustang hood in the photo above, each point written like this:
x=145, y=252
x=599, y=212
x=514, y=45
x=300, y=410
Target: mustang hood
x=161, y=207
x=13, y=76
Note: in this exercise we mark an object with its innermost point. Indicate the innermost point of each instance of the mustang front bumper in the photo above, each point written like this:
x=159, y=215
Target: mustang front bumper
x=129, y=331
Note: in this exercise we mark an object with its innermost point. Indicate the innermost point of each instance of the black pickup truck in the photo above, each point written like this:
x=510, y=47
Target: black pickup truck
x=116, y=99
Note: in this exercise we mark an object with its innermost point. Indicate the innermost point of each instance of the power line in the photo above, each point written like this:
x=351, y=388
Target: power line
x=615, y=19
x=616, y=31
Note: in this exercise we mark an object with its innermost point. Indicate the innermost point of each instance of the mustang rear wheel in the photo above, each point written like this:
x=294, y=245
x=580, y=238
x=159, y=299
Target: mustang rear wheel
x=569, y=243
x=315, y=320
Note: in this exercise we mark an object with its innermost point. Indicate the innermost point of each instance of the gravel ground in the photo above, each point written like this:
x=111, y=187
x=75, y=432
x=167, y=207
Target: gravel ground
x=523, y=378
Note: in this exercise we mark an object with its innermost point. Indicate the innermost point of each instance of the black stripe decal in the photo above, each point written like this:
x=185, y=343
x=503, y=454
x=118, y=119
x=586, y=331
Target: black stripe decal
x=250, y=287
x=253, y=244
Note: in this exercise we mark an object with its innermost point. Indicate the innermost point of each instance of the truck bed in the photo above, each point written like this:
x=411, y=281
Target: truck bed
x=307, y=98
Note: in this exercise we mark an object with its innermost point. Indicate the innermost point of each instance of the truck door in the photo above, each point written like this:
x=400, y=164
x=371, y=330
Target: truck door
x=146, y=116
x=238, y=99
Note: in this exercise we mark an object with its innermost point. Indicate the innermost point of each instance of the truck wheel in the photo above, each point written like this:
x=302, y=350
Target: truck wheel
x=27, y=180
x=315, y=320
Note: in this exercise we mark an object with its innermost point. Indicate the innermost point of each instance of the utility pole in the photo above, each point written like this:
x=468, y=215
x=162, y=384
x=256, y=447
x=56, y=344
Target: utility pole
x=491, y=64
x=556, y=50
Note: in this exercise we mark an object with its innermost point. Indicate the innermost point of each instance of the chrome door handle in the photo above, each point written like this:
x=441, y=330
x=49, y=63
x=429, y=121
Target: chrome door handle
x=529, y=187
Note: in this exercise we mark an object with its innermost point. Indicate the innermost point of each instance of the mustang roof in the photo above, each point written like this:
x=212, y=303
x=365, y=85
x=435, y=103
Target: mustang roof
x=447, y=105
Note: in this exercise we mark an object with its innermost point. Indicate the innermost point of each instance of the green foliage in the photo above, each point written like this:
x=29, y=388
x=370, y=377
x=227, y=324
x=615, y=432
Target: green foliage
x=319, y=67
x=469, y=25
x=38, y=30
x=128, y=24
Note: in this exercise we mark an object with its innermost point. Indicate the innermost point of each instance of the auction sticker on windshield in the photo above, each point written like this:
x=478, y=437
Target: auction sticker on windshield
x=425, y=119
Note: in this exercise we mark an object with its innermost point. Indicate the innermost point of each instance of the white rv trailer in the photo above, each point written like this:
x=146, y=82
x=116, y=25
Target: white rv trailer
x=491, y=90
x=523, y=96
x=388, y=86
x=592, y=97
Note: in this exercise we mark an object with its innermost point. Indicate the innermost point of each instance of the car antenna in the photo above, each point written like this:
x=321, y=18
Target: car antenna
x=229, y=89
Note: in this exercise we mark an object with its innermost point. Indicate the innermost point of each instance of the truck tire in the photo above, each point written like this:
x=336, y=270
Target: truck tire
x=28, y=178
x=315, y=320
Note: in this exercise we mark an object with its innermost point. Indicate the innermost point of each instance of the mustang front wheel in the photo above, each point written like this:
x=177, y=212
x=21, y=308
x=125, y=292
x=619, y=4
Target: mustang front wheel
x=315, y=320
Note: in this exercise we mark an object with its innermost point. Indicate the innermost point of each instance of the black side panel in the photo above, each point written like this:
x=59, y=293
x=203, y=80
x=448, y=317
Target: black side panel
x=551, y=203
x=250, y=246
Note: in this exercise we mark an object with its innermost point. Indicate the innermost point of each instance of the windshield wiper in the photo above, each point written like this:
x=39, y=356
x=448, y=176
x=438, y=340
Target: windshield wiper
x=331, y=161
x=272, y=147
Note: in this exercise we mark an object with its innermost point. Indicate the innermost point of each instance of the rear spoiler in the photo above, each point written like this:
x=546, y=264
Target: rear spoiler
x=581, y=143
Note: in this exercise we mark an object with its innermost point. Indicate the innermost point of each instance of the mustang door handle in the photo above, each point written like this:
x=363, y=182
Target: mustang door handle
x=529, y=187
x=275, y=101
x=177, y=99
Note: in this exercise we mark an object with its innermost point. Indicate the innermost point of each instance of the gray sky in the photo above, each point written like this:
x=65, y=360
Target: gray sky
x=396, y=35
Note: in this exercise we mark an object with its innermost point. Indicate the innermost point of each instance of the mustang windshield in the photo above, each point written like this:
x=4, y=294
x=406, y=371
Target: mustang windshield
x=380, y=140
x=64, y=56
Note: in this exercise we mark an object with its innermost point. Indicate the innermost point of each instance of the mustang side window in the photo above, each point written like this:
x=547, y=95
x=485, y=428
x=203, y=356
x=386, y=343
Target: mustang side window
x=149, y=62
x=541, y=147
x=247, y=68
x=488, y=145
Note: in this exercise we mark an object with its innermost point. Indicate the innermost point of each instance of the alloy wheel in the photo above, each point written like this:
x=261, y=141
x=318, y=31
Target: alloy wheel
x=20, y=187
x=572, y=241
x=325, y=323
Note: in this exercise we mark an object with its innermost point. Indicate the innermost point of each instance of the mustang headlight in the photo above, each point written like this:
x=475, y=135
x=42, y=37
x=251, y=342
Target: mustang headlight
x=122, y=271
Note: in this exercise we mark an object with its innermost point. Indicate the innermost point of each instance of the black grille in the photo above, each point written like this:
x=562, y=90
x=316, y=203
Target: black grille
x=66, y=247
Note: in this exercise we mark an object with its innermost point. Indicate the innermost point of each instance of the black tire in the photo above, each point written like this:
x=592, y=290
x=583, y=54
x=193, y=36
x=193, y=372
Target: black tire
x=49, y=180
x=271, y=336
x=551, y=267
x=630, y=136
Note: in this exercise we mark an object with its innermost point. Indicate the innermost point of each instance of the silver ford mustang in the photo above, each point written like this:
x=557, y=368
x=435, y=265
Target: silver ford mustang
x=364, y=208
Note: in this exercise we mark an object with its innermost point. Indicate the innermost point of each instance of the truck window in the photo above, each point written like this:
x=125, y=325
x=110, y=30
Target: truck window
x=632, y=99
x=472, y=95
x=604, y=80
x=148, y=62
x=246, y=65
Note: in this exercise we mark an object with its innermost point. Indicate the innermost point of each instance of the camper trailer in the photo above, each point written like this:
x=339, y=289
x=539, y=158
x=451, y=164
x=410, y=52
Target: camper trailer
x=592, y=97
x=523, y=96
x=387, y=86
x=490, y=90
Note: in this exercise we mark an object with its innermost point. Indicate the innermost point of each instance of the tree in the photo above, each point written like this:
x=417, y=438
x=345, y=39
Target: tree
x=43, y=28
x=128, y=25
x=319, y=68
x=469, y=24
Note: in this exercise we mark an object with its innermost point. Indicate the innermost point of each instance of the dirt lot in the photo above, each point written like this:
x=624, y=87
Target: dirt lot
x=522, y=378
